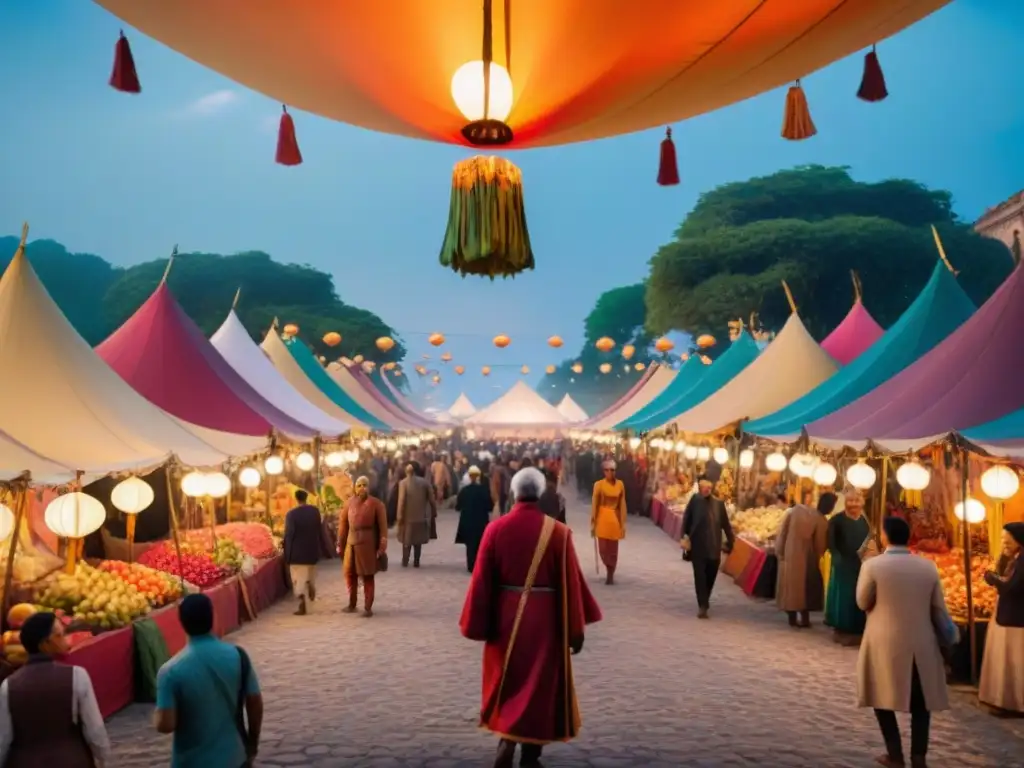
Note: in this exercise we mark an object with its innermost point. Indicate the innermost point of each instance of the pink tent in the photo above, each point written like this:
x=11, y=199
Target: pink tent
x=622, y=400
x=854, y=335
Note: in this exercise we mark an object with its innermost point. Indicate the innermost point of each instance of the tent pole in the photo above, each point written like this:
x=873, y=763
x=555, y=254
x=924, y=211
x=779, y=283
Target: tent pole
x=20, y=502
x=174, y=523
x=966, y=528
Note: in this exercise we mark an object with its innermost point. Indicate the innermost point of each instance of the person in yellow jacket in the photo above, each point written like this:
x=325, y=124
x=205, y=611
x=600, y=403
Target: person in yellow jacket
x=608, y=518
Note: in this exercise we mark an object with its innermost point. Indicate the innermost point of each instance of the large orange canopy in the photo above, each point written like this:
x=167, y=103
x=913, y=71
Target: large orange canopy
x=581, y=69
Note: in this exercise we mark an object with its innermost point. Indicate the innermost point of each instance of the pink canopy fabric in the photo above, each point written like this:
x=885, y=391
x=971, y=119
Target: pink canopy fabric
x=622, y=400
x=968, y=379
x=408, y=418
x=854, y=335
x=164, y=356
x=404, y=404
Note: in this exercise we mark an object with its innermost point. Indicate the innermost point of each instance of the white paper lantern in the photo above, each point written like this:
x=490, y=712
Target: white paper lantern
x=802, y=464
x=75, y=515
x=775, y=462
x=194, y=484
x=825, y=474
x=132, y=495
x=218, y=485
x=334, y=459
x=380, y=442
x=999, y=482
x=305, y=461
x=366, y=444
x=721, y=455
x=6, y=522
x=391, y=445
x=273, y=465
x=703, y=453
x=861, y=476
x=689, y=451
x=746, y=458
x=634, y=443
x=250, y=477
x=975, y=511
x=913, y=476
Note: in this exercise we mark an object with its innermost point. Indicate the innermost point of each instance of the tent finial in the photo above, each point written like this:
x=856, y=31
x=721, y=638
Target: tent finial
x=24, y=236
x=858, y=289
x=789, y=297
x=942, y=251
x=170, y=263
x=238, y=295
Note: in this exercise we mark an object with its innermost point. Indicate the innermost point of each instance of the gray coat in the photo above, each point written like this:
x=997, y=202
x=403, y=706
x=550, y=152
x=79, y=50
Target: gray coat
x=416, y=510
x=799, y=547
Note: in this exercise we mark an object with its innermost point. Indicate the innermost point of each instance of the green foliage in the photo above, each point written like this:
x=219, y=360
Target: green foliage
x=619, y=314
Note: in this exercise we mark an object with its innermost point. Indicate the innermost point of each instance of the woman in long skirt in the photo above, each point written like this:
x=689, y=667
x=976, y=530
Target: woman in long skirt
x=608, y=518
x=847, y=532
x=1002, y=672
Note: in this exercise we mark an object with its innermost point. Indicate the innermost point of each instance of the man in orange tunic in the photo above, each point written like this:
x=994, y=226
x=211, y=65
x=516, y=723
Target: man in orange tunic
x=529, y=602
x=362, y=539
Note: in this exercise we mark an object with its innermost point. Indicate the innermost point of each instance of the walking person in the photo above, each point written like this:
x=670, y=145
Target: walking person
x=900, y=667
x=362, y=544
x=848, y=532
x=1002, y=672
x=48, y=711
x=705, y=521
x=474, y=505
x=608, y=518
x=208, y=696
x=552, y=503
x=799, y=547
x=500, y=484
x=528, y=586
x=304, y=546
x=417, y=512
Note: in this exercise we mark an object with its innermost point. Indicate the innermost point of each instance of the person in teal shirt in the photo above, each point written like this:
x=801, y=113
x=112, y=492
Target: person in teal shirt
x=202, y=693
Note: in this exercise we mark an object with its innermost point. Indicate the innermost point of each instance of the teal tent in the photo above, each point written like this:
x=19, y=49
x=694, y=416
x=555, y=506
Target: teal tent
x=687, y=375
x=940, y=308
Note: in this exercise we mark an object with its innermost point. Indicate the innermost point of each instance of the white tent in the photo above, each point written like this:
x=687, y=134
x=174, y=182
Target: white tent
x=248, y=360
x=60, y=402
x=462, y=408
x=520, y=412
x=791, y=366
x=654, y=386
x=570, y=410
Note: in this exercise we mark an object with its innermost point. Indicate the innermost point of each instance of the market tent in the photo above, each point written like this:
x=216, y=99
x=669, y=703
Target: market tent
x=399, y=399
x=968, y=379
x=60, y=404
x=17, y=460
x=792, y=365
x=1002, y=437
x=162, y=353
x=343, y=377
x=300, y=369
x=634, y=390
x=416, y=419
x=659, y=378
x=236, y=346
x=462, y=407
x=519, y=412
x=940, y=308
x=570, y=410
x=689, y=373
x=856, y=333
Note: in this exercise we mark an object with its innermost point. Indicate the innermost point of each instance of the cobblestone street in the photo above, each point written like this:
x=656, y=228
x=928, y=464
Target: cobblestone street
x=657, y=687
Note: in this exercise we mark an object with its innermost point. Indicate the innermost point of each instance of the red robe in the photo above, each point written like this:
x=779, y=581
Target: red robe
x=538, y=700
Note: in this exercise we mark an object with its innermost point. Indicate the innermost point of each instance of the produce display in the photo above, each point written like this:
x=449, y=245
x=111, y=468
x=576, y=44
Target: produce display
x=14, y=651
x=159, y=588
x=224, y=551
x=28, y=566
x=197, y=567
x=93, y=596
x=954, y=585
x=759, y=525
x=254, y=539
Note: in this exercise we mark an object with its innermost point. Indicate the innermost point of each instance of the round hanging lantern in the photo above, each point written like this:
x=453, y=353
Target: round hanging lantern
x=703, y=453
x=459, y=369
x=999, y=482
x=321, y=359
x=436, y=379
x=385, y=343
x=501, y=341
x=605, y=367
x=335, y=459
x=825, y=474
x=628, y=351
x=388, y=366
x=577, y=368
x=550, y=370
x=6, y=522
x=357, y=359
x=436, y=339
x=291, y=329
x=368, y=366
x=131, y=496
x=446, y=357
x=250, y=477
x=664, y=345
x=975, y=511
x=75, y=515
x=555, y=342
x=705, y=359
x=705, y=341
x=305, y=461
x=273, y=465
x=776, y=462
x=218, y=485
x=639, y=366
x=332, y=339
x=684, y=356
x=605, y=344
x=720, y=455
x=913, y=476
x=193, y=484
x=690, y=452
x=524, y=370
x=802, y=464
x=486, y=370
x=746, y=458
x=861, y=475
x=421, y=370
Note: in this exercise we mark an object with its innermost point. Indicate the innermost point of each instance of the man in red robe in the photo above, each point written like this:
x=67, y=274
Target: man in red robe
x=528, y=602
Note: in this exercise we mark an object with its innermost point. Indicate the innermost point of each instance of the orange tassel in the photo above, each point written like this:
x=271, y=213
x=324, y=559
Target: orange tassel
x=668, y=168
x=872, y=83
x=287, y=145
x=124, y=77
x=797, y=123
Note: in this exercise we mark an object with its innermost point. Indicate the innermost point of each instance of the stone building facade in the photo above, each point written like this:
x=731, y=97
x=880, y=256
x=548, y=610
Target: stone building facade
x=1005, y=222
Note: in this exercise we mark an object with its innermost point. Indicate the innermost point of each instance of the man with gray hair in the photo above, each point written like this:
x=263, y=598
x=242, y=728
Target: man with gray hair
x=528, y=582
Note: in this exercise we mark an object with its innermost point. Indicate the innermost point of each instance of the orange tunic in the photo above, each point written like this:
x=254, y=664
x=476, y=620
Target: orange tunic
x=608, y=510
x=363, y=530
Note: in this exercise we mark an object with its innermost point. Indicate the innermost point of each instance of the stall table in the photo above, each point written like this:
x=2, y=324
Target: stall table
x=109, y=659
x=264, y=587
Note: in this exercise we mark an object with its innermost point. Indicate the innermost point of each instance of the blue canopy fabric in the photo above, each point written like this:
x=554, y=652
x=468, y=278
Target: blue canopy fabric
x=685, y=378
x=940, y=308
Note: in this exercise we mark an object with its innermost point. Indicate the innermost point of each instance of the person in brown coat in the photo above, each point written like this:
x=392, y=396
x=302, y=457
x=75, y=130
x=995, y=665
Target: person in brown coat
x=799, y=547
x=417, y=511
x=362, y=543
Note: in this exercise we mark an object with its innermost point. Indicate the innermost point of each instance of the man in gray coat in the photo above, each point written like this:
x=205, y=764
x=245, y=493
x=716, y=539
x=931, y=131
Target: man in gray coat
x=417, y=511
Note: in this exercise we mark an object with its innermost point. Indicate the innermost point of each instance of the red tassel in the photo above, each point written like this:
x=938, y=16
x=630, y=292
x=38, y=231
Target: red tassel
x=668, y=169
x=124, y=77
x=872, y=84
x=287, y=145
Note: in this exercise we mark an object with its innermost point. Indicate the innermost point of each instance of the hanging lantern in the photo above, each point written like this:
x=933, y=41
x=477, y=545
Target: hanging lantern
x=550, y=370
x=605, y=344
x=131, y=496
x=684, y=356
x=913, y=476
x=421, y=370
x=388, y=366
x=6, y=522
x=332, y=339
x=75, y=515
x=577, y=368
x=999, y=482
x=721, y=455
x=218, y=485
x=486, y=370
x=705, y=359
x=703, y=453
x=357, y=359
x=664, y=345
x=321, y=359
x=861, y=475
x=250, y=477
x=436, y=339
x=524, y=370
x=368, y=366
x=639, y=366
x=775, y=462
x=385, y=343
x=436, y=379
x=335, y=459
x=605, y=367
x=746, y=458
x=628, y=351
x=501, y=341
x=459, y=369
x=555, y=342
x=305, y=461
x=706, y=340
x=291, y=329
x=802, y=464
x=975, y=511
x=193, y=484
x=825, y=474
x=273, y=465
x=690, y=452
x=446, y=357
x=486, y=190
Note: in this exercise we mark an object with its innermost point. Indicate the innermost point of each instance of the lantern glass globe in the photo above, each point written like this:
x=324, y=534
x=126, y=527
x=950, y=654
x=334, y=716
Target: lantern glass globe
x=250, y=477
x=913, y=476
x=305, y=461
x=802, y=464
x=861, y=476
x=721, y=455
x=825, y=474
x=1000, y=483
x=468, y=91
x=132, y=495
x=746, y=458
x=218, y=485
x=776, y=462
x=75, y=515
x=273, y=465
x=975, y=510
x=6, y=522
x=193, y=484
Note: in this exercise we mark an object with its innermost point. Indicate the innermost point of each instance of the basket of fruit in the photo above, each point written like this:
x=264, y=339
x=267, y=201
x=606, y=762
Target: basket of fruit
x=94, y=597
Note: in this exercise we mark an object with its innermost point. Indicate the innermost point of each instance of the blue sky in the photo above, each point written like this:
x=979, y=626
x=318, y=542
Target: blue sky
x=190, y=161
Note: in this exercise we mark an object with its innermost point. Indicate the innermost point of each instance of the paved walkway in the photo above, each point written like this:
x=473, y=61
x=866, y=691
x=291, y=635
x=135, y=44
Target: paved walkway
x=657, y=686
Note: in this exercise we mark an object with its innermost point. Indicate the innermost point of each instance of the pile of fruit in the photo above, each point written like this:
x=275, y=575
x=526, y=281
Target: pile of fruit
x=196, y=567
x=159, y=588
x=93, y=596
x=224, y=552
x=954, y=585
x=255, y=539
x=759, y=525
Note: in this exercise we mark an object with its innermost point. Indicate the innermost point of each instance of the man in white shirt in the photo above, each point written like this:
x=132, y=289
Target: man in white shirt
x=48, y=710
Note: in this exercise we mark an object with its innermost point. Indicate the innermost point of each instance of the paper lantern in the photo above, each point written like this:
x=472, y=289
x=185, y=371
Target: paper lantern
x=446, y=357
x=391, y=446
x=628, y=351
x=436, y=379
x=131, y=495
x=6, y=522
x=705, y=340
x=75, y=515
x=486, y=370
x=690, y=452
x=501, y=341
x=802, y=464
x=634, y=443
x=459, y=369
x=250, y=477
x=321, y=359
x=913, y=476
x=436, y=339
x=524, y=370
x=664, y=345
x=193, y=484
x=550, y=370
x=605, y=367
x=639, y=366
x=703, y=453
x=999, y=482
x=975, y=511
x=385, y=343
x=335, y=459
x=705, y=359
x=332, y=339
x=357, y=359
x=776, y=462
x=291, y=329
x=555, y=342
x=273, y=465
x=684, y=356
x=721, y=455
x=305, y=461
x=218, y=485
x=605, y=344
x=825, y=474
x=746, y=458
x=861, y=475
x=421, y=370
x=577, y=368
